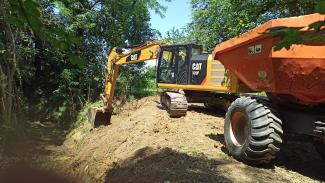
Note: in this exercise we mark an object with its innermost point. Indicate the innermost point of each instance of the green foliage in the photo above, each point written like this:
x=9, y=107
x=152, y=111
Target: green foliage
x=151, y=88
x=215, y=21
x=77, y=60
x=156, y=6
x=288, y=35
x=291, y=35
x=25, y=13
x=61, y=48
x=62, y=9
x=28, y=15
x=59, y=113
x=320, y=6
x=82, y=115
x=179, y=36
x=136, y=82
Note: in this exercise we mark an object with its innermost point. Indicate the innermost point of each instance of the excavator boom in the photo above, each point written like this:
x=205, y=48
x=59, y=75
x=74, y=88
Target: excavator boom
x=148, y=51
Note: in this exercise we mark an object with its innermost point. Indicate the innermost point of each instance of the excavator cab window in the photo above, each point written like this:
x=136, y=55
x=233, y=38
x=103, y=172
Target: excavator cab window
x=196, y=51
x=181, y=58
x=182, y=65
x=167, y=66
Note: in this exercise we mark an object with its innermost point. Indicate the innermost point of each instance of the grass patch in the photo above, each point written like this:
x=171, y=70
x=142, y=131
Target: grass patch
x=82, y=116
x=191, y=151
x=60, y=158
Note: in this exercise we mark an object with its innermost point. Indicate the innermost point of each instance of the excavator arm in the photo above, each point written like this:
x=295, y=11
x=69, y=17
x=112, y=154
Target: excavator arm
x=148, y=51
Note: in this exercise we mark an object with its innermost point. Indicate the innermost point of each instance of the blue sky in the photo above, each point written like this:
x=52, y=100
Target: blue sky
x=178, y=14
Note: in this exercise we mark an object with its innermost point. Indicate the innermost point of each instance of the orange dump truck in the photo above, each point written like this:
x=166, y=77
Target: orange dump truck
x=294, y=81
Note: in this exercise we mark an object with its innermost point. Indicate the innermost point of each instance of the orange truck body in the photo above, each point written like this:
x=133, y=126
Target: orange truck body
x=297, y=73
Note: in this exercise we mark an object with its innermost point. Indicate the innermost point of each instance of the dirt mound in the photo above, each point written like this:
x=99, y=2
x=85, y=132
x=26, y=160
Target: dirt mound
x=143, y=144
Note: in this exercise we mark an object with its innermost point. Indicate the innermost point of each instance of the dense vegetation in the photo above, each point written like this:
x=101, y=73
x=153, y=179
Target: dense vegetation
x=214, y=21
x=53, y=52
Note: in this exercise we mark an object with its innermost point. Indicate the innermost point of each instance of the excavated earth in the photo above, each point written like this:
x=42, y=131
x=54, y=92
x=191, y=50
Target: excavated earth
x=143, y=144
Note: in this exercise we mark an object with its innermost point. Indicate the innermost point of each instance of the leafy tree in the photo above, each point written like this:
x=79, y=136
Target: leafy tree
x=291, y=35
x=53, y=52
x=215, y=21
x=179, y=36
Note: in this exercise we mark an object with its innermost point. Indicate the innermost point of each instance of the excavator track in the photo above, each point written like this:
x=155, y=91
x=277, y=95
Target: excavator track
x=175, y=103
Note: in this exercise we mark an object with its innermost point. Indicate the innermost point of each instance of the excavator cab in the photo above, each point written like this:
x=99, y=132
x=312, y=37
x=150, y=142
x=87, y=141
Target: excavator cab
x=175, y=63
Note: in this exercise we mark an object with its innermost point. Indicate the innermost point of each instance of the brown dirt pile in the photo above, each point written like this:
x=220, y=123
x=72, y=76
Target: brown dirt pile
x=143, y=144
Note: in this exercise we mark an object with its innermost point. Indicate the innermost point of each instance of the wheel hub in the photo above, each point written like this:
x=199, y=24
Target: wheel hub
x=238, y=128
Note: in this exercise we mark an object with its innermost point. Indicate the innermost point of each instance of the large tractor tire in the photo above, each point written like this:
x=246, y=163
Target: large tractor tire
x=253, y=133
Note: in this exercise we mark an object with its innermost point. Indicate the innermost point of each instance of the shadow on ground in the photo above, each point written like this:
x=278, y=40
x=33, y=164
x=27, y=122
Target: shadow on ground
x=165, y=165
x=295, y=155
x=30, y=174
x=38, y=138
x=34, y=147
x=199, y=108
x=300, y=156
x=28, y=156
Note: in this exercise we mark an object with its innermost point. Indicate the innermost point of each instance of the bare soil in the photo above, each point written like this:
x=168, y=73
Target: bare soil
x=143, y=144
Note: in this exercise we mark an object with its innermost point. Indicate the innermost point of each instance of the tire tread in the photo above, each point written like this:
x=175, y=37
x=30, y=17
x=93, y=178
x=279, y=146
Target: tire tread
x=266, y=131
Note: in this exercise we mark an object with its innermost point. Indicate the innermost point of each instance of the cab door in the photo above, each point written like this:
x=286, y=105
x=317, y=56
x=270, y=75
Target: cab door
x=167, y=66
x=182, y=60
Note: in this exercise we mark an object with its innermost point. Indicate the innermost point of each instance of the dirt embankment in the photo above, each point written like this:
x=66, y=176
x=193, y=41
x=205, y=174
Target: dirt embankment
x=144, y=145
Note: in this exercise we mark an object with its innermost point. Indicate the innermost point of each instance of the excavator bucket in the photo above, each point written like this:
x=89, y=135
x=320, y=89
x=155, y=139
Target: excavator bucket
x=98, y=116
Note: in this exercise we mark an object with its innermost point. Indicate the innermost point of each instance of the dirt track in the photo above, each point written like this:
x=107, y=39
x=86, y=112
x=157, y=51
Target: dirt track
x=144, y=145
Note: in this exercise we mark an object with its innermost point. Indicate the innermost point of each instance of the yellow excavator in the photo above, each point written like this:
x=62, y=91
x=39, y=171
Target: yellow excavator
x=185, y=70
x=292, y=79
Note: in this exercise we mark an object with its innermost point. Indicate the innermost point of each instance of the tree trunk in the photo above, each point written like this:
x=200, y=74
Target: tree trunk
x=9, y=108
